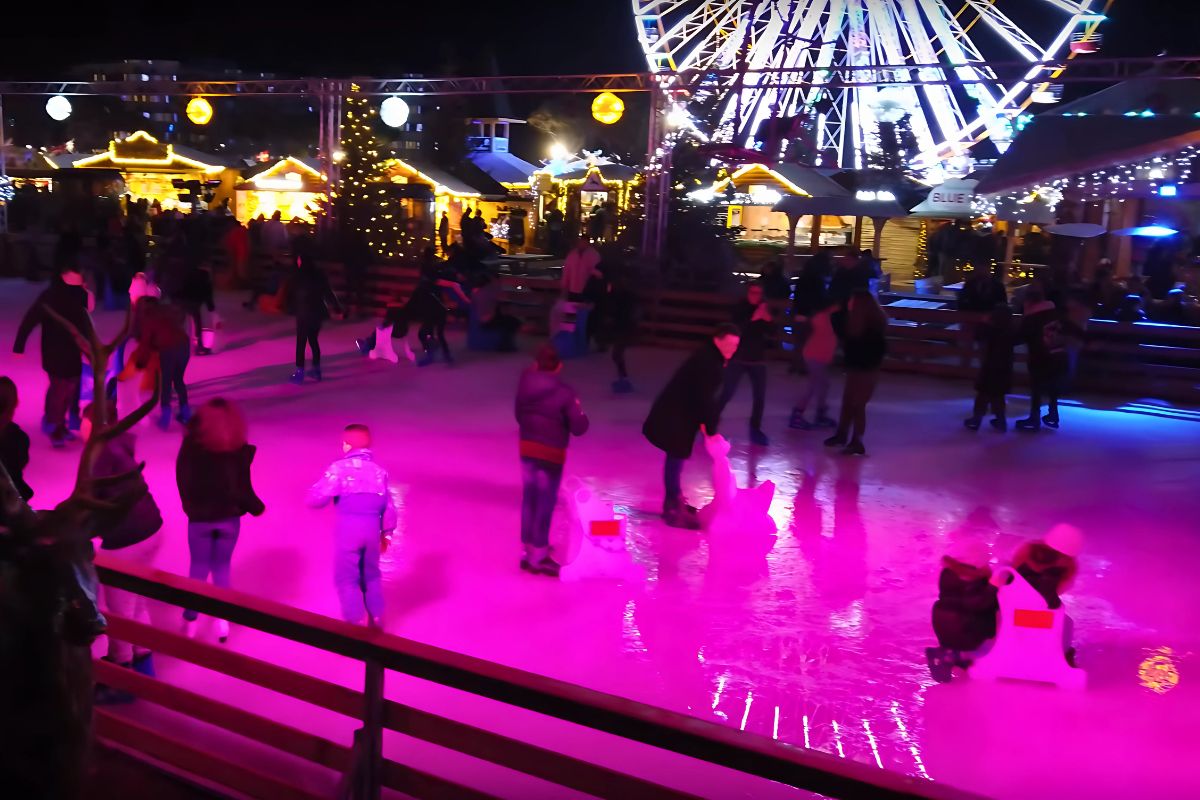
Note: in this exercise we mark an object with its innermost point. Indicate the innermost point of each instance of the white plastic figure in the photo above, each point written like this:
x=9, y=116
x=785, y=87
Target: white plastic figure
x=595, y=547
x=1029, y=638
x=733, y=511
x=383, y=347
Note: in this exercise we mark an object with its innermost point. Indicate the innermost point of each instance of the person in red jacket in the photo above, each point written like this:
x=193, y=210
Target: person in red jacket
x=548, y=413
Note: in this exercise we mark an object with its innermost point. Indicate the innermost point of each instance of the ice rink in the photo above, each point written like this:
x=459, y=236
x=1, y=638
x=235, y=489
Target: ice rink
x=818, y=643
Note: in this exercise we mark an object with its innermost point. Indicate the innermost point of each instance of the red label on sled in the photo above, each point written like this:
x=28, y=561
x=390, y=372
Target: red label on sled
x=606, y=527
x=1027, y=618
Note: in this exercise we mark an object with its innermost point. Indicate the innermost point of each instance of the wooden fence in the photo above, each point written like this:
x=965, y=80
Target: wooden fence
x=1141, y=359
x=362, y=767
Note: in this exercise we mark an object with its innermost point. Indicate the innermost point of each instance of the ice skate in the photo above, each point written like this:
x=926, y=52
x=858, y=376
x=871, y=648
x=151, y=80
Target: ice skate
x=1050, y=421
x=315, y=374
x=837, y=440
x=757, y=437
x=855, y=448
x=297, y=377
x=622, y=386
x=798, y=422
x=972, y=423
x=998, y=424
x=164, y=419
x=1031, y=424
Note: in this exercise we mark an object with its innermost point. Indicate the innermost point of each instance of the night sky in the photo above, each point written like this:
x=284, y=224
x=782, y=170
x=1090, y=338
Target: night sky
x=382, y=39
x=465, y=38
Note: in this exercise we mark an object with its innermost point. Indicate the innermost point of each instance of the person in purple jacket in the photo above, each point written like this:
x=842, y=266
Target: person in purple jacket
x=366, y=517
x=548, y=413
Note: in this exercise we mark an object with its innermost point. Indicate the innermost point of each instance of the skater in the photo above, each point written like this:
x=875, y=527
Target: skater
x=1043, y=332
x=964, y=615
x=133, y=538
x=994, y=381
x=1050, y=565
x=548, y=414
x=14, y=442
x=818, y=351
x=162, y=333
x=195, y=294
x=620, y=325
x=863, y=348
x=687, y=405
x=213, y=475
x=426, y=307
x=62, y=360
x=753, y=319
x=366, y=517
x=485, y=305
x=581, y=265
x=444, y=232
x=312, y=300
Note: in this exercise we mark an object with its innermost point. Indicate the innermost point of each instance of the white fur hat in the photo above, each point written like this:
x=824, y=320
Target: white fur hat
x=1066, y=539
x=971, y=552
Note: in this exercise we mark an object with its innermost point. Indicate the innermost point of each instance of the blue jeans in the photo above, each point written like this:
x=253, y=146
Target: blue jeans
x=211, y=546
x=541, y=480
x=356, y=566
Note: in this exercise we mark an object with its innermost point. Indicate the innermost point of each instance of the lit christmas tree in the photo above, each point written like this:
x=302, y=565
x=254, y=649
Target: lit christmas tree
x=366, y=200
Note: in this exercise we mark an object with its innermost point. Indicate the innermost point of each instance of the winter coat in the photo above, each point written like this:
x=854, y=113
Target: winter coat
x=864, y=352
x=821, y=343
x=359, y=487
x=216, y=486
x=161, y=327
x=14, y=455
x=620, y=312
x=1043, y=334
x=755, y=334
x=196, y=289
x=1044, y=581
x=964, y=615
x=548, y=413
x=311, y=296
x=144, y=519
x=61, y=356
x=996, y=365
x=688, y=401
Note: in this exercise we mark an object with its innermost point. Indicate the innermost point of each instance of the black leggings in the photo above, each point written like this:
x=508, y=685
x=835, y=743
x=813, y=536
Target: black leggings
x=996, y=401
x=308, y=333
x=860, y=386
x=618, y=357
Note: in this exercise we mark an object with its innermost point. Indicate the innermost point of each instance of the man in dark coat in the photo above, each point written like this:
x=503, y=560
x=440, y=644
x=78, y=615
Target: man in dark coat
x=688, y=403
x=311, y=300
x=61, y=357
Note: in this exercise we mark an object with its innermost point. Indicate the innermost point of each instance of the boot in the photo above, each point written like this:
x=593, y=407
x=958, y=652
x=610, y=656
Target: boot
x=315, y=374
x=855, y=448
x=941, y=663
x=1051, y=421
x=144, y=664
x=164, y=419
x=185, y=415
x=972, y=423
x=297, y=377
x=837, y=440
x=1031, y=424
x=998, y=424
x=798, y=422
x=677, y=515
x=824, y=420
x=540, y=562
x=759, y=438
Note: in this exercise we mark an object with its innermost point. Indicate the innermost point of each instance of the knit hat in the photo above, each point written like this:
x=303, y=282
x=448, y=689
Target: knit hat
x=1066, y=539
x=972, y=552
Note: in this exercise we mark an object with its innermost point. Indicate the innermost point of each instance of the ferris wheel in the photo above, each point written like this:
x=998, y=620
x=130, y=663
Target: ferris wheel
x=933, y=73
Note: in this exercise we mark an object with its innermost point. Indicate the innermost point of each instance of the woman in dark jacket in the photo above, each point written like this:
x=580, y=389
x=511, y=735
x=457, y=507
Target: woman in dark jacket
x=994, y=381
x=686, y=404
x=863, y=348
x=311, y=299
x=213, y=473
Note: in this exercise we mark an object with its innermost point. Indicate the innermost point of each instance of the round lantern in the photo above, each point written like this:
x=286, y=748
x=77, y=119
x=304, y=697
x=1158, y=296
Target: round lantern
x=394, y=112
x=607, y=108
x=58, y=107
x=199, y=111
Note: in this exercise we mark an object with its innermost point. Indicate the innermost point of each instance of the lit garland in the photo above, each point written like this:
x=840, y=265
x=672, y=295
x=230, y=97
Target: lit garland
x=1126, y=179
x=921, y=264
x=368, y=204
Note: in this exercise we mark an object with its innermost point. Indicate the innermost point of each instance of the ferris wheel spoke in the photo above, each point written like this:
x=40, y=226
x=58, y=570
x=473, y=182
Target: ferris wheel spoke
x=949, y=31
x=1007, y=29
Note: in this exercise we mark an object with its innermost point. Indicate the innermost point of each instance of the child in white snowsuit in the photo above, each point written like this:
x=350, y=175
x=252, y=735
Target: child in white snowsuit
x=366, y=516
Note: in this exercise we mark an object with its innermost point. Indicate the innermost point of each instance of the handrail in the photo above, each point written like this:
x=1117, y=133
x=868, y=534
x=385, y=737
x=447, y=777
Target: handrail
x=742, y=752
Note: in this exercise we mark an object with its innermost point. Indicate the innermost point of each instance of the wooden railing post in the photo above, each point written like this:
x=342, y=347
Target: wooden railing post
x=364, y=779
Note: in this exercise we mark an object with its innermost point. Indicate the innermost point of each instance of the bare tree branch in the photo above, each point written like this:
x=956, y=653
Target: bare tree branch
x=85, y=344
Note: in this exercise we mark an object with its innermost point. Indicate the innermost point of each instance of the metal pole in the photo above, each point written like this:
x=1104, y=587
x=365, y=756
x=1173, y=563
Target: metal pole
x=3, y=170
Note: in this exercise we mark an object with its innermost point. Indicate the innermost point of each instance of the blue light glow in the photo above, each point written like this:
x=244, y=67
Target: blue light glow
x=1169, y=190
x=1152, y=231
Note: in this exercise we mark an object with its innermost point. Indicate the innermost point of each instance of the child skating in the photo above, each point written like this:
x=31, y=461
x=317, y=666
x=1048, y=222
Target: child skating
x=366, y=516
x=964, y=615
